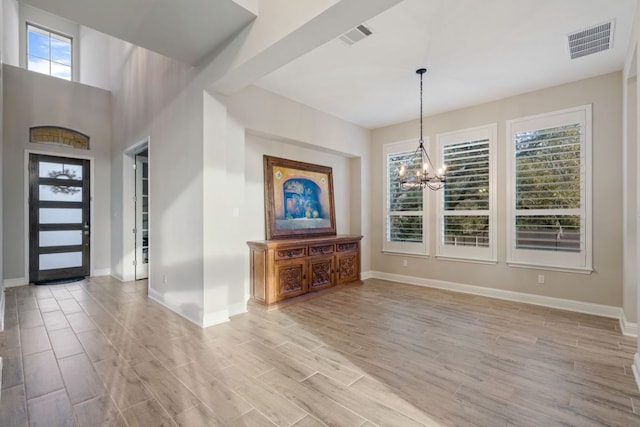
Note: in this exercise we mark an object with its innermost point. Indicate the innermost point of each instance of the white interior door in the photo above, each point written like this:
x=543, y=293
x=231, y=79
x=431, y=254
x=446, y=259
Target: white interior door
x=142, y=217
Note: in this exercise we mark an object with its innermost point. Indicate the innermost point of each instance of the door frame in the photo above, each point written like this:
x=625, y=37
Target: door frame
x=92, y=251
x=128, y=209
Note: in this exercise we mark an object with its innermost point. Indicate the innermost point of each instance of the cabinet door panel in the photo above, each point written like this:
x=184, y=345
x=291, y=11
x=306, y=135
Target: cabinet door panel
x=290, y=278
x=321, y=272
x=348, y=267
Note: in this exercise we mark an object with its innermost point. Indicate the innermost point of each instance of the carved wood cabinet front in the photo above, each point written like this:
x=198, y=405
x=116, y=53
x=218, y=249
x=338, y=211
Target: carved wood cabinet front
x=283, y=269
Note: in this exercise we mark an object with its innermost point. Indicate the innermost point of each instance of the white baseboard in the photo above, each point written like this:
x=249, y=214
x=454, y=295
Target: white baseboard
x=628, y=328
x=117, y=277
x=636, y=369
x=101, y=272
x=215, y=318
x=157, y=297
x=12, y=283
x=366, y=275
x=2, y=302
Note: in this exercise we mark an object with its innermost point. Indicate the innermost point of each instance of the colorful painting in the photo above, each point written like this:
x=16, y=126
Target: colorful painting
x=299, y=199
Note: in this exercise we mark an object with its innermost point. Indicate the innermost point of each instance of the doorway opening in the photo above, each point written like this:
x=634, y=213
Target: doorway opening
x=141, y=229
x=59, y=218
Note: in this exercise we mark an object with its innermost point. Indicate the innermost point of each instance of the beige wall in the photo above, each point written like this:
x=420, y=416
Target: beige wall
x=32, y=99
x=604, y=285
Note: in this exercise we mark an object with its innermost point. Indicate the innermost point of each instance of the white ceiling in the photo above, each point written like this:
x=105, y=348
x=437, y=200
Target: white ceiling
x=475, y=51
x=186, y=30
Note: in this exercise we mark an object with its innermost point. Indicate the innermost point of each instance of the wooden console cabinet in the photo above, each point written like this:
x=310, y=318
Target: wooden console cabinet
x=288, y=268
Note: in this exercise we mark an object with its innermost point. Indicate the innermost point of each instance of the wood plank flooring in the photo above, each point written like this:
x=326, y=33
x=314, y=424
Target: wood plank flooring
x=99, y=352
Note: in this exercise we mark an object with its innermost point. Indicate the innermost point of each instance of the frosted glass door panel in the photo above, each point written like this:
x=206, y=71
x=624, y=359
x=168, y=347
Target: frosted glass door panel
x=63, y=260
x=60, y=193
x=59, y=171
x=60, y=216
x=60, y=238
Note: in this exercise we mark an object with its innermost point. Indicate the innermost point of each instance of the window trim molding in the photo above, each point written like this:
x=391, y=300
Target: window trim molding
x=483, y=255
x=403, y=248
x=32, y=16
x=581, y=262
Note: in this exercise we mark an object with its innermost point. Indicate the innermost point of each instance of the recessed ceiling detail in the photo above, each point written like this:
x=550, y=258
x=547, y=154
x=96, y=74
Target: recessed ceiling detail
x=591, y=40
x=357, y=34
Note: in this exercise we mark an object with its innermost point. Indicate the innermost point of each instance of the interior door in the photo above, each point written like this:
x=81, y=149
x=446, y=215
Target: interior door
x=142, y=217
x=59, y=214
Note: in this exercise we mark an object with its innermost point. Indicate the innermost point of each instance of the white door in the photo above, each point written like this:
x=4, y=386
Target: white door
x=142, y=217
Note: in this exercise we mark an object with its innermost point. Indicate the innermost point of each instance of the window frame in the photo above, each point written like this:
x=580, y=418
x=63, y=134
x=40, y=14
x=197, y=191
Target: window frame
x=51, y=34
x=488, y=254
x=55, y=24
x=405, y=248
x=576, y=262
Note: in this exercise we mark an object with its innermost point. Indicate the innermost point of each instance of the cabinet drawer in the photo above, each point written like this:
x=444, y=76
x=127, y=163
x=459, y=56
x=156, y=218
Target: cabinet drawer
x=321, y=250
x=291, y=253
x=350, y=246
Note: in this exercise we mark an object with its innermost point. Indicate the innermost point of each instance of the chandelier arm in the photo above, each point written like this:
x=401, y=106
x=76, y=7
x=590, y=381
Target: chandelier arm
x=428, y=158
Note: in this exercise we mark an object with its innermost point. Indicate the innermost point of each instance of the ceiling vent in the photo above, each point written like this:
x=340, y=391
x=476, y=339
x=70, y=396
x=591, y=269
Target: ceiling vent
x=591, y=40
x=355, y=35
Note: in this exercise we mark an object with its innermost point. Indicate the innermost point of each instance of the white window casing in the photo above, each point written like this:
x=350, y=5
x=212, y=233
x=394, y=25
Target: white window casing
x=549, y=191
x=466, y=208
x=404, y=211
x=57, y=25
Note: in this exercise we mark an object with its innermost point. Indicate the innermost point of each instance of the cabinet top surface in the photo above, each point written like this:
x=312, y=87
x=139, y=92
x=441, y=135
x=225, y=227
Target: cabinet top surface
x=304, y=241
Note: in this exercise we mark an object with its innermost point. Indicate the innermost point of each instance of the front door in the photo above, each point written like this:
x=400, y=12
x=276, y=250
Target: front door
x=59, y=213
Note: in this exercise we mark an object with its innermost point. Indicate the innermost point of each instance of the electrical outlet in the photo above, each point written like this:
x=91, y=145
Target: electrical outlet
x=540, y=279
x=405, y=263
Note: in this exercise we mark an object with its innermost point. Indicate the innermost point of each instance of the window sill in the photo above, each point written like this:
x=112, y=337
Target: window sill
x=405, y=254
x=469, y=260
x=579, y=270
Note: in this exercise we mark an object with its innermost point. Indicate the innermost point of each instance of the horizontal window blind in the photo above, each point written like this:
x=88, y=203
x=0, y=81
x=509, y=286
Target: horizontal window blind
x=466, y=194
x=467, y=185
x=549, y=178
x=404, y=228
x=404, y=222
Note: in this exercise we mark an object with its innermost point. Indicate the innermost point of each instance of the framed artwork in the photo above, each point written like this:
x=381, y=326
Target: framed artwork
x=298, y=199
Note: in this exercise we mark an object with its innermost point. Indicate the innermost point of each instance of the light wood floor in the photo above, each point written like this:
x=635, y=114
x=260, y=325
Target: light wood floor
x=99, y=352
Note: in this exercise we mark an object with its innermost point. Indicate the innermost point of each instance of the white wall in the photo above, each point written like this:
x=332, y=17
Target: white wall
x=604, y=285
x=10, y=32
x=198, y=256
x=2, y=301
x=32, y=99
x=94, y=65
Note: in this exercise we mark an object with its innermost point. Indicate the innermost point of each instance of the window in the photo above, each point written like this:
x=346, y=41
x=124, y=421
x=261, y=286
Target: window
x=404, y=219
x=466, y=204
x=49, y=52
x=550, y=196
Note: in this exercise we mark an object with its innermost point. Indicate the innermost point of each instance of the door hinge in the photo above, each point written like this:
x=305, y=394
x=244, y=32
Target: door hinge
x=134, y=262
x=134, y=231
x=134, y=166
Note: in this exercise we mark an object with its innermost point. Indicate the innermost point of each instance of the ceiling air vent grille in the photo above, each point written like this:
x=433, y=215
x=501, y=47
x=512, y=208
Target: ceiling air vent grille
x=356, y=34
x=591, y=40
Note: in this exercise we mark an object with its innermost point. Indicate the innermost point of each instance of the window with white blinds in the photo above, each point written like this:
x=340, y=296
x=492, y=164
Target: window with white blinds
x=550, y=191
x=466, y=206
x=404, y=216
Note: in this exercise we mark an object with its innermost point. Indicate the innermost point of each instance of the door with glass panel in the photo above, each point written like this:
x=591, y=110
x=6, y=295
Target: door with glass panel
x=59, y=213
x=142, y=216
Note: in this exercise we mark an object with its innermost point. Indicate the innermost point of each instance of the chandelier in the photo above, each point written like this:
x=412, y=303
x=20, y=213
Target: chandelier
x=418, y=171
